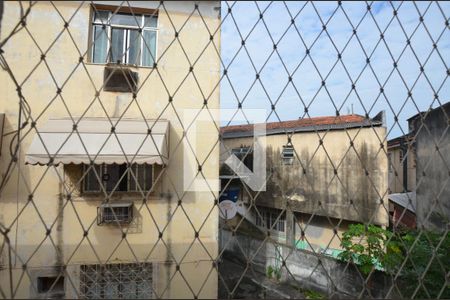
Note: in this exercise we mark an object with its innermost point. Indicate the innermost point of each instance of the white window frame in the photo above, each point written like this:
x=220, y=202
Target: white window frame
x=126, y=39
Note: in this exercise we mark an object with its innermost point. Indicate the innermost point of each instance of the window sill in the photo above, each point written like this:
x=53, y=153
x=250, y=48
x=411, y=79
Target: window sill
x=113, y=64
x=98, y=196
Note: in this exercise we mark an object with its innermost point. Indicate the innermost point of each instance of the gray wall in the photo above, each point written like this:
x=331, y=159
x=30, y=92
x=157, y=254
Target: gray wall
x=306, y=269
x=433, y=167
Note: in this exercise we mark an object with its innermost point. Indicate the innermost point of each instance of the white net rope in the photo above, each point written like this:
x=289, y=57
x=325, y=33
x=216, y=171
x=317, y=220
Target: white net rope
x=311, y=58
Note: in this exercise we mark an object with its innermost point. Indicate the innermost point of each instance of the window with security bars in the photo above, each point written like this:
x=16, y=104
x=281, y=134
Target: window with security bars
x=268, y=218
x=114, y=213
x=116, y=281
x=287, y=155
x=118, y=178
x=127, y=38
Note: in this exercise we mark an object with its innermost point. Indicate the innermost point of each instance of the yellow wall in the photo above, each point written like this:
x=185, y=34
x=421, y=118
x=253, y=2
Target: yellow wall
x=104, y=243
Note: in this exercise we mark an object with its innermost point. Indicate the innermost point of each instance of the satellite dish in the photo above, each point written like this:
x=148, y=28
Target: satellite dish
x=227, y=209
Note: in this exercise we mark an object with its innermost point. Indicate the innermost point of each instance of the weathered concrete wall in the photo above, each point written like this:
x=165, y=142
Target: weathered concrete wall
x=319, y=232
x=396, y=171
x=330, y=177
x=433, y=168
x=104, y=243
x=306, y=269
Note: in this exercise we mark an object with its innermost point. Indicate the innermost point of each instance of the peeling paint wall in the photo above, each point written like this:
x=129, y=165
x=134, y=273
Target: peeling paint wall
x=433, y=169
x=333, y=179
x=325, y=201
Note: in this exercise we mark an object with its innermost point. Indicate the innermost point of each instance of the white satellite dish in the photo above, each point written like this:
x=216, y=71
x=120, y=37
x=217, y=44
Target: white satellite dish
x=227, y=209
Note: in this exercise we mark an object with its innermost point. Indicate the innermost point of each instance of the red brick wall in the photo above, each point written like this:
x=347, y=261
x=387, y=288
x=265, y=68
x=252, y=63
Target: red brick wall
x=408, y=219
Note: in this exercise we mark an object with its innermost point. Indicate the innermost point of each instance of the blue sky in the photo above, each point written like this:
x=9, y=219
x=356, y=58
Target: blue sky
x=322, y=64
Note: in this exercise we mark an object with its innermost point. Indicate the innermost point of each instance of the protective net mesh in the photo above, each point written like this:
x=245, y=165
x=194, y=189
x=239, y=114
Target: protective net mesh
x=115, y=181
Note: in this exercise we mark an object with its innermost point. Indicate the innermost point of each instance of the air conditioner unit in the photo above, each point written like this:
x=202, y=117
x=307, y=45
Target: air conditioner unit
x=119, y=78
x=115, y=213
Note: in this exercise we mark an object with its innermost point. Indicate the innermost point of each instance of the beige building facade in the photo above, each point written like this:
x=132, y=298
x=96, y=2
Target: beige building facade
x=323, y=174
x=78, y=222
x=402, y=164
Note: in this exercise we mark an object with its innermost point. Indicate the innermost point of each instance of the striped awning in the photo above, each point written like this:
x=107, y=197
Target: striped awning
x=100, y=140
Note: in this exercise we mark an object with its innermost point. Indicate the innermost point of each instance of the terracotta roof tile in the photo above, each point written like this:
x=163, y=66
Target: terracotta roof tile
x=306, y=122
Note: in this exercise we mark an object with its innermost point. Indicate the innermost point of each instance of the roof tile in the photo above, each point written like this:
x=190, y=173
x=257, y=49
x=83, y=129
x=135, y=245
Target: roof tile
x=305, y=122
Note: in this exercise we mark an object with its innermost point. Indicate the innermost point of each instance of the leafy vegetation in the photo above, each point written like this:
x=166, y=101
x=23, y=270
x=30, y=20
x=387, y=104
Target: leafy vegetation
x=421, y=259
x=271, y=271
x=429, y=256
x=309, y=294
x=368, y=247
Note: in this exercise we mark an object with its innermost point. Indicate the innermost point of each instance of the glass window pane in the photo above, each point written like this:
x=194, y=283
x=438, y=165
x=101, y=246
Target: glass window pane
x=149, y=53
x=148, y=177
x=99, y=45
x=117, y=46
x=101, y=17
x=135, y=48
x=126, y=19
x=114, y=174
x=132, y=177
x=91, y=183
x=150, y=21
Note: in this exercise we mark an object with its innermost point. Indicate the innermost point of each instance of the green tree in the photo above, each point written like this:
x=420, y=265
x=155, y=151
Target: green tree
x=420, y=258
x=368, y=246
x=427, y=256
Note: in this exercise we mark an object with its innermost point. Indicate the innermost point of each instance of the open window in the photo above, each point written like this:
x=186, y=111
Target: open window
x=115, y=213
x=50, y=287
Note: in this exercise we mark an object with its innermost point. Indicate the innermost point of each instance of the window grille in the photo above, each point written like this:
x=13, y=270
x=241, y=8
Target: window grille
x=115, y=213
x=287, y=154
x=118, y=178
x=116, y=281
